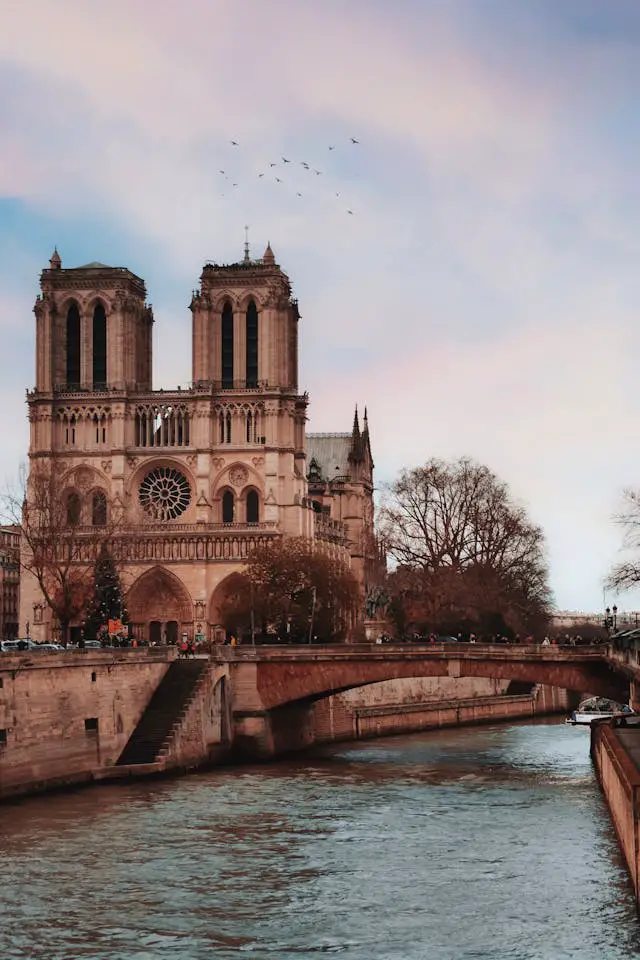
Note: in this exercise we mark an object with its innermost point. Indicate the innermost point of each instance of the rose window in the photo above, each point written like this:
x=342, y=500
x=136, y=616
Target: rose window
x=164, y=493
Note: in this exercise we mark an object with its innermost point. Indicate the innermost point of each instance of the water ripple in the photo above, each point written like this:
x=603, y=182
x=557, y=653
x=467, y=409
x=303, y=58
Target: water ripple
x=455, y=845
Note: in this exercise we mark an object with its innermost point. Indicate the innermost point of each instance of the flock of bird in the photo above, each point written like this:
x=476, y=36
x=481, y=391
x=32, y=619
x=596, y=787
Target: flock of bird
x=270, y=173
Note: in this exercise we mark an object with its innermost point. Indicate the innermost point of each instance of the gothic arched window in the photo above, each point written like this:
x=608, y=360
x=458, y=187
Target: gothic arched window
x=99, y=508
x=74, y=508
x=253, y=507
x=99, y=346
x=249, y=427
x=227, y=346
x=228, y=507
x=228, y=427
x=73, y=346
x=252, y=345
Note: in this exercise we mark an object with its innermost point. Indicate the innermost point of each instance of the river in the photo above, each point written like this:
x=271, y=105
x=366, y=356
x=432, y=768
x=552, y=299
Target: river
x=488, y=842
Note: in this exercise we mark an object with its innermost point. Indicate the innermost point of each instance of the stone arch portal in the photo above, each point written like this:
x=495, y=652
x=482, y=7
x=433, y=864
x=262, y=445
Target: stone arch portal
x=221, y=627
x=160, y=608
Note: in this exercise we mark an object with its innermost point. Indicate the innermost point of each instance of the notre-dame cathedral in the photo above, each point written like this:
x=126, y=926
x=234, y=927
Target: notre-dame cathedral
x=202, y=474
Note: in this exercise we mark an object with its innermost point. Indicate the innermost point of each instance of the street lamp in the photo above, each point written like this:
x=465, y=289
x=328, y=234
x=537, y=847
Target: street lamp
x=611, y=618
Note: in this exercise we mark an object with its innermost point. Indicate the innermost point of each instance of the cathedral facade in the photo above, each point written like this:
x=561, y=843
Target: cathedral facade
x=198, y=476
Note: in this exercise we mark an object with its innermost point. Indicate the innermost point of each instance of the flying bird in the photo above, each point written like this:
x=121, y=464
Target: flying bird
x=332, y=148
x=278, y=180
x=304, y=164
x=284, y=160
x=222, y=172
x=261, y=174
x=317, y=172
x=298, y=194
x=273, y=164
x=350, y=211
x=235, y=184
x=234, y=143
x=353, y=140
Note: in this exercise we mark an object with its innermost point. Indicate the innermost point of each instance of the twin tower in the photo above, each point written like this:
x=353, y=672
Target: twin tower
x=199, y=475
x=245, y=328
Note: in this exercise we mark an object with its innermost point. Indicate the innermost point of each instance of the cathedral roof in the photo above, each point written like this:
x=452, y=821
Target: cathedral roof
x=94, y=265
x=330, y=451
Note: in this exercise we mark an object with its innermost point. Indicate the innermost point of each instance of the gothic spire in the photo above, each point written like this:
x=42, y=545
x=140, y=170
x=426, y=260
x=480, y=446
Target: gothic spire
x=55, y=262
x=356, y=439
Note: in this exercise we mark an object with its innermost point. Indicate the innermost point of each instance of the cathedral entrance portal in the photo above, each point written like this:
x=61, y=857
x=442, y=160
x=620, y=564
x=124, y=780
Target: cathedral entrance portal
x=222, y=623
x=160, y=607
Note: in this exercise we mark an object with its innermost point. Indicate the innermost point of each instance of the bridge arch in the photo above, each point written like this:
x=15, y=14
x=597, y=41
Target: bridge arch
x=287, y=681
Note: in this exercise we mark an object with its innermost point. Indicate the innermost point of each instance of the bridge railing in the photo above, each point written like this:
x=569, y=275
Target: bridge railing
x=405, y=651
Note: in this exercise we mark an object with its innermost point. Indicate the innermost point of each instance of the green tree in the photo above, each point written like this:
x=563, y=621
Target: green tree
x=108, y=601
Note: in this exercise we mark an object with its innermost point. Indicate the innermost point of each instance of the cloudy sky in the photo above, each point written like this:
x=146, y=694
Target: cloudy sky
x=483, y=296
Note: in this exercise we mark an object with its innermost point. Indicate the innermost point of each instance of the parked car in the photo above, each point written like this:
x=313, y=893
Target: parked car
x=17, y=646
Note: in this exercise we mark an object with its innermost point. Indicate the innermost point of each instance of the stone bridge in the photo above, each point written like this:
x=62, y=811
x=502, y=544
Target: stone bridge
x=273, y=688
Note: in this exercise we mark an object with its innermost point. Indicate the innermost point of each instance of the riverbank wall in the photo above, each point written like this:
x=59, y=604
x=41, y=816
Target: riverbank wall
x=66, y=718
x=409, y=706
x=615, y=751
x=63, y=716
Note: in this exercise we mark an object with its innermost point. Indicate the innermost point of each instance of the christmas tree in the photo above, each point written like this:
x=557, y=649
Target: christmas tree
x=108, y=599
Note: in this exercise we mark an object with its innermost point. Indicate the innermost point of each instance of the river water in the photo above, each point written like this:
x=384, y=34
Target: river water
x=490, y=842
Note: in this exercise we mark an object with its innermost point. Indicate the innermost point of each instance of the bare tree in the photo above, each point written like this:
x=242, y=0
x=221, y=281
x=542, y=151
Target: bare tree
x=56, y=549
x=293, y=590
x=625, y=575
x=465, y=549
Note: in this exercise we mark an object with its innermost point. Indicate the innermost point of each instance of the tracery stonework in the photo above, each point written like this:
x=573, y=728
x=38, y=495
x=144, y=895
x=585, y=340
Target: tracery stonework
x=187, y=524
x=238, y=476
x=83, y=477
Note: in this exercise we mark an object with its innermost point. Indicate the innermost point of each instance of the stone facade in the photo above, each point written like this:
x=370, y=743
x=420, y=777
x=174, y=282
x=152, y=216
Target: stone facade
x=9, y=582
x=199, y=475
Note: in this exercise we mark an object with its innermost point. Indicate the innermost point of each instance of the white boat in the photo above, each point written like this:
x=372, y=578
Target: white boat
x=597, y=708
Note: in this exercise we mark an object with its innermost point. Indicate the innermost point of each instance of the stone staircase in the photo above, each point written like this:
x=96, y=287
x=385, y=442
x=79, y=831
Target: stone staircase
x=164, y=711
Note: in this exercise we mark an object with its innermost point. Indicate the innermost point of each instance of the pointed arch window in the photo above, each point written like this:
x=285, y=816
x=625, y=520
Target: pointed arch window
x=252, y=344
x=99, y=509
x=228, y=427
x=73, y=509
x=73, y=346
x=221, y=427
x=253, y=507
x=99, y=347
x=227, y=346
x=249, y=427
x=228, y=507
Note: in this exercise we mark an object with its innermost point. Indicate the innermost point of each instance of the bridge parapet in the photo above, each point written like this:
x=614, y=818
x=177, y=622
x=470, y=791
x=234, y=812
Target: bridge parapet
x=372, y=652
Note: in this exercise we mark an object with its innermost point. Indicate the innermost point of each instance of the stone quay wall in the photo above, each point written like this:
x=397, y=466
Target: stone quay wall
x=427, y=705
x=62, y=716
x=619, y=779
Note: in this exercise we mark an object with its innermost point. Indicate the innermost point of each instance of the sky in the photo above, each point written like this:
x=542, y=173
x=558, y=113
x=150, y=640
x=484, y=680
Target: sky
x=482, y=296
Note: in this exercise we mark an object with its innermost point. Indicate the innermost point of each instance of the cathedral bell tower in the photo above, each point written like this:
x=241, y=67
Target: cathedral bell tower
x=245, y=326
x=93, y=329
x=245, y=355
